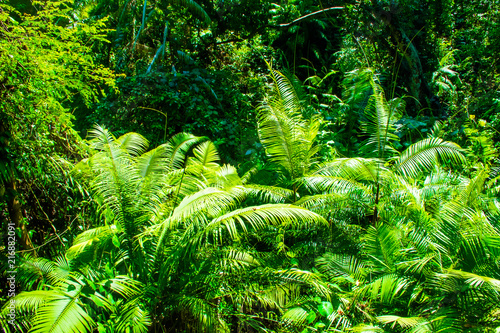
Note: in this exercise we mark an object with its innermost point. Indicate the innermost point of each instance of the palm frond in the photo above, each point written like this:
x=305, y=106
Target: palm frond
x=378, y=125
x=133, y=318
x=227, y=176
x=296, y=316
x=385, y=289
x=177, y=148
x=259, y=217
x=152, y=163
x=285, y=90
x=351, y=268
x=402, y=322
x=206, y=155
x=328, y=184
x=365, y=95
x=133, y=143
x=35, y=270
x=309, y=278
x=268, y=194
x=203, y=314
x=125, y=286
x=357, y=169
x=212, y=201
x=235, y=260
x=381, y=242
x=89, y=238
x=287, y=137
x=444, y=320
x=62, y=311
x=424, y=155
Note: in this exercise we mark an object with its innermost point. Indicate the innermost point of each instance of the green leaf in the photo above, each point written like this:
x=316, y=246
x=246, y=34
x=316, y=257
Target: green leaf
x=311, y=317
x=116, y=241
x=319, y=325
x=97, y=301
x=325, y=309
x=109, y=215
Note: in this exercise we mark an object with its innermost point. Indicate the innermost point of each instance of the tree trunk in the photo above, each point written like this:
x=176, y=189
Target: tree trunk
x=8, y=178
x=16, y=215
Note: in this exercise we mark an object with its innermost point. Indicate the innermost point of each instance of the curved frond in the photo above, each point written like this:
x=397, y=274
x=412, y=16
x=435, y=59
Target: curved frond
x=206, y=154
x=91, y=238
x=349, y=267
x=403, y=322
x=328, y=184
x=309, y=278
x=425, y=154
x=378, y=125
x=133, y=143
x=259, y=217
x=385, y=289
x=33, y=270
x=204, y=315
x=133, y=319
x=268, y=194
x=152, y=163
x=365, y=95
x=62, y=312
x=356, y=168
x=287, y=137
x=177, y=148
x=212, y=201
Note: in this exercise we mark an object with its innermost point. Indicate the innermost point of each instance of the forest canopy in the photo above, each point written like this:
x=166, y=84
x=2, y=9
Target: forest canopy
x=249, y=166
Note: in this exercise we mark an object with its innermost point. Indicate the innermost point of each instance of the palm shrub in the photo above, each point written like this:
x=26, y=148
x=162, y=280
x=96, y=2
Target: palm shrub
x=176, y=226
x=70, y=300
x=343, y=189
x=423, y=243
x=430, y=262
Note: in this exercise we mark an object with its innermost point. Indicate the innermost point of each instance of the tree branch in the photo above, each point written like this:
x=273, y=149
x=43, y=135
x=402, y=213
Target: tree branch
x=308, y=16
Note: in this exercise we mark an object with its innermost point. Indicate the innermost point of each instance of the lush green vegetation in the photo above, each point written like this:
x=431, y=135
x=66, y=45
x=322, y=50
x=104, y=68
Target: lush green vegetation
x=250, y=166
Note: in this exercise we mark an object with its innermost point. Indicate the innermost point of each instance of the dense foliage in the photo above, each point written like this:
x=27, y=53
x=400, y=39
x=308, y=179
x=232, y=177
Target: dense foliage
x=249, y=166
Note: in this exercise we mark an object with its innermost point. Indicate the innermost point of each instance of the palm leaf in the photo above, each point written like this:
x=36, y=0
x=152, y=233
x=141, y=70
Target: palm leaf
x=62, y=312
x=403, y=322
x=385, y=289
x=206, y=154
x=91, y=238
x=356, y=169
x=133, y=143
x=377, y=124
x=177, y=148
x=268, y=194
x=349, y=267
x=287, y=137
x=259, y=217
x=133, y=318
x=424, y=155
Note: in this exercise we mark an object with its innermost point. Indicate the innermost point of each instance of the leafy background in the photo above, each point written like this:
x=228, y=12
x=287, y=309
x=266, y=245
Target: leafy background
x=251, y=166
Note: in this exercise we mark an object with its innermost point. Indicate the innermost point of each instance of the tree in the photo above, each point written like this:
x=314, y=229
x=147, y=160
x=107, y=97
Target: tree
x=43, y=65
